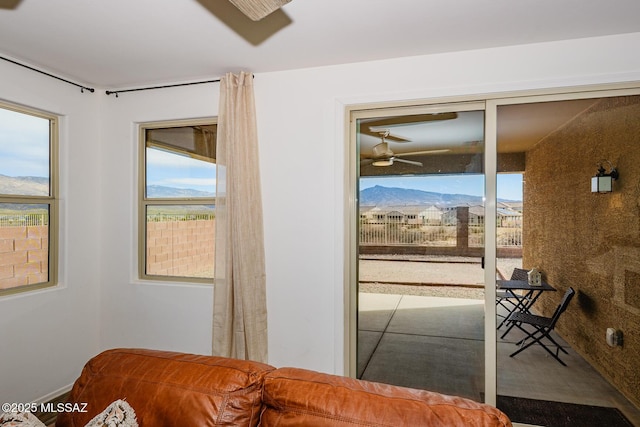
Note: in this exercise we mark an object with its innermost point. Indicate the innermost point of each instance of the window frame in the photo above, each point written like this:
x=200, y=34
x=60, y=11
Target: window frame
x=52, y=199
x=144, y=201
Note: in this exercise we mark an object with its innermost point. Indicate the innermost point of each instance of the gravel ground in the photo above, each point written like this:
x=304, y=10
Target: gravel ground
x=425, y=291
x=456, y=277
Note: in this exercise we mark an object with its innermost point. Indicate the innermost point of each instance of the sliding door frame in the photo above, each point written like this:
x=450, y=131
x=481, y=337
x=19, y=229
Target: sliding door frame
x=351, y=291
x=491, y=103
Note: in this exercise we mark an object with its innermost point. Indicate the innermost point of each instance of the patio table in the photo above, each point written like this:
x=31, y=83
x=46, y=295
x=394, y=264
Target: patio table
x=526, y=301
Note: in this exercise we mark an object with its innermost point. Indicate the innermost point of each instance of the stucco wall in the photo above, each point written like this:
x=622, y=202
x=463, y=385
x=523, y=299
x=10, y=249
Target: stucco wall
x=587, y=240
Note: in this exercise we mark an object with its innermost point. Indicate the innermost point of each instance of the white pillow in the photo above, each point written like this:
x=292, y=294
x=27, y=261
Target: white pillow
x=19, y=419
x=118, y=414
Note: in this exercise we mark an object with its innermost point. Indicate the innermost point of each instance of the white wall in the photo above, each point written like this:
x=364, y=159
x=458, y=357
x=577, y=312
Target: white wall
x=301, y=128
x=301, y=131
x=46, y=336
x=134, y=313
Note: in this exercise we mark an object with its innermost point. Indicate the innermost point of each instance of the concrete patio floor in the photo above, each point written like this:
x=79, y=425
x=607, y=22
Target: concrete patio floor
x=436, y=343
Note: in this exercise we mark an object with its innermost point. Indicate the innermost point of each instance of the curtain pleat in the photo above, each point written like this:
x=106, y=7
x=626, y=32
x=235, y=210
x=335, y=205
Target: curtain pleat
x=239, y=309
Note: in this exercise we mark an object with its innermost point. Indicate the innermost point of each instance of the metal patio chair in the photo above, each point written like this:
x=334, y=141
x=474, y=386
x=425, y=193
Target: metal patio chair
x=507, y=299
x=542, y=327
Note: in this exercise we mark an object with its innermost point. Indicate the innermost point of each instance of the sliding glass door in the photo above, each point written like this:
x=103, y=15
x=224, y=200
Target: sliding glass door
x=420, y=248
x=574, y=233
x=532, y=161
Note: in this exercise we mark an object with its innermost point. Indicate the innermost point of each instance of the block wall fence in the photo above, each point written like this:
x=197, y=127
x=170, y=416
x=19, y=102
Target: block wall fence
x=24, y=255
x=181, y=248
x=175, y=248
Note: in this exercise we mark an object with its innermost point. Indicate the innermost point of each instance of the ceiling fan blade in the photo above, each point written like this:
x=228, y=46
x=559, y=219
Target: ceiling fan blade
x=396, y=138
x=421, y=153
x=258, y=9
x=389, y=136
x=404, y=120
x=410, y=162
x=368, y=131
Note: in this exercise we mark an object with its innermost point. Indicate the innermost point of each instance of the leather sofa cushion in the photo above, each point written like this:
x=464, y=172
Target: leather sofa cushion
x=295, y=397
x=170, y=389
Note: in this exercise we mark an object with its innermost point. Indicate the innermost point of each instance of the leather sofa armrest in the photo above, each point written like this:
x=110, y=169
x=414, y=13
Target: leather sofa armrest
x=167, y=389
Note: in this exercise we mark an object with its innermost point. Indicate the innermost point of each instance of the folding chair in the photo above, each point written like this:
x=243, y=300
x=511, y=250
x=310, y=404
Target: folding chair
x=507, y=299
x=543, y=327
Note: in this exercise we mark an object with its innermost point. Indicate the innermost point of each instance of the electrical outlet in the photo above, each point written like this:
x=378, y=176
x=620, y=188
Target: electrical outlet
x=614, y=337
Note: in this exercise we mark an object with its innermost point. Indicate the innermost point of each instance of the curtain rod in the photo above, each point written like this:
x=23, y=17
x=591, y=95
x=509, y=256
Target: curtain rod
x=116, y=92
x=82, y=88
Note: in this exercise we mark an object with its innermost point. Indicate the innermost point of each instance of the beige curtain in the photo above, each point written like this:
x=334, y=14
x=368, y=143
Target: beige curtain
x=239, y=309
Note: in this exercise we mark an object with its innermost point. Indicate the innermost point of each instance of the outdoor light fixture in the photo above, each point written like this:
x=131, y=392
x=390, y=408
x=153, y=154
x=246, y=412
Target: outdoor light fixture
x=603, y=182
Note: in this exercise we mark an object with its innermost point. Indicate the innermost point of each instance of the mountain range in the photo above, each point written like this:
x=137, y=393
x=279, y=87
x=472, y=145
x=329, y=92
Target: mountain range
x=39, y=186
x=159, y=191
x=393, y=196
x=24, y=185
x=373, y=196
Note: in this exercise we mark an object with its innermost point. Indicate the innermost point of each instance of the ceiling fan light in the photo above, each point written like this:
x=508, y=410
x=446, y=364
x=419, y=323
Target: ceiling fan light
x=383, y=162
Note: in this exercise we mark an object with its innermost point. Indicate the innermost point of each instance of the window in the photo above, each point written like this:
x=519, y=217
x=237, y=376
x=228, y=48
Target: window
x=28, y=207
x=177, y=207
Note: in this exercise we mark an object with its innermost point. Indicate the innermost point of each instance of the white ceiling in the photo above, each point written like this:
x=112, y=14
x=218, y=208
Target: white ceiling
x=116, y=44
x=125, y=43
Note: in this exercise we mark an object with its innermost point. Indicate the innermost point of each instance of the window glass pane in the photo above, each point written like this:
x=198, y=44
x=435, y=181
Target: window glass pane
x=24, y=150
x=24, y=244
x=180, y=240
x=421, y=208
x=180, y=162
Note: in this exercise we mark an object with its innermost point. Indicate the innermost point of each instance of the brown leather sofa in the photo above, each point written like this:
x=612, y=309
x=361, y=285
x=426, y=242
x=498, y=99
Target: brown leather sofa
x=175, y=389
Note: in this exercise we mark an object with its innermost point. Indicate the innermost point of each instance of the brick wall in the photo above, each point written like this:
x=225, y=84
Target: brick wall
x=181, y=248
x=175, y=248
x=24, y=255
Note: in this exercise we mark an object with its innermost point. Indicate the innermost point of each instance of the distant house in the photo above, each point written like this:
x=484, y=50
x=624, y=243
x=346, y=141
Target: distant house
x=420, y=215
x=373, y=215
x=409, y=215
x=415, y=215
x=511, y=206
x=476, y=215
x=431, y=215
x=395, y=216
x=509, y=218
x=366, y=213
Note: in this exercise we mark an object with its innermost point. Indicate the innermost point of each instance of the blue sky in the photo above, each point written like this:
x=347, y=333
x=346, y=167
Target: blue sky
x=172, y=170
x=24, y=151
x=509, y=185
x=24, y=144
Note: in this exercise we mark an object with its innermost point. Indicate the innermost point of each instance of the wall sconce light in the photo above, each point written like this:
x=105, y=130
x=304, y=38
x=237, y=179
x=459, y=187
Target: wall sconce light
x=603, y=182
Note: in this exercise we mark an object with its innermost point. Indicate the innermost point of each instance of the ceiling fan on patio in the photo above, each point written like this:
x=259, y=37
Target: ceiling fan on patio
x=258, y=9
x=382, y=155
